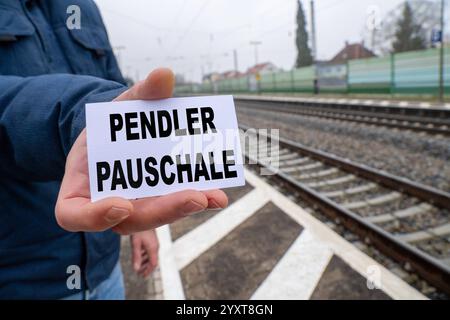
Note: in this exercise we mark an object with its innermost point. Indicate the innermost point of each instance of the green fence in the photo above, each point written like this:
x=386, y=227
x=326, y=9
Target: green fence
x=297, y=80
x=370, y=75
x=417, y=72
x=410, y=73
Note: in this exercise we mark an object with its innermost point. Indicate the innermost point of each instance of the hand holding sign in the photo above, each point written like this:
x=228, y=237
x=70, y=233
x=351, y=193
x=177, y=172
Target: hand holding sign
x=75, y=211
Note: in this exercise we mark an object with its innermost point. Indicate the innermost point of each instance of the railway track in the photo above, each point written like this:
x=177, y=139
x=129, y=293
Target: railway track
x=405, y=220
x=429, y=120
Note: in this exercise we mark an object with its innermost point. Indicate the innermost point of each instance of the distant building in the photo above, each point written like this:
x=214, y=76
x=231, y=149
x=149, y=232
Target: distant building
x=211, y=77
x=261, y=68
x=232, y=74
x=350, y=52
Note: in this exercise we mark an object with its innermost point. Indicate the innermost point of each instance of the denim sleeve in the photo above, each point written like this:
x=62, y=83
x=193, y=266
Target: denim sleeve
x=40, y=119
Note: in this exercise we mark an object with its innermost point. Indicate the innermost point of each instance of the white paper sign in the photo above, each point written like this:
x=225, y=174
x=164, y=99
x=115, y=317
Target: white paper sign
x=147, y=148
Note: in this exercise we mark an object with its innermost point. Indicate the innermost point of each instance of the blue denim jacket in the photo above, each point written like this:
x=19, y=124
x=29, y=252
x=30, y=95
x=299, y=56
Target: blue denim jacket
x=47, y=74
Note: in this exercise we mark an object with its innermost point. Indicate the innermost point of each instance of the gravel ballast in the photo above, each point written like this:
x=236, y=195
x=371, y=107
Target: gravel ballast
x=417, y=156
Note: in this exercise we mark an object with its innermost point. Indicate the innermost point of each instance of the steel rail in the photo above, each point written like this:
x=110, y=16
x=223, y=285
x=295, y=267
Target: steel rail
x=368, y=115
x=428, y=267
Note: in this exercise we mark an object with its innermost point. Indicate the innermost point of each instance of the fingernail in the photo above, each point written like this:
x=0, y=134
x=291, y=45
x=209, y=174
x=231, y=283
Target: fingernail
x=136, y=266
x=115, y=214
x=192, y=207
x=213, y=205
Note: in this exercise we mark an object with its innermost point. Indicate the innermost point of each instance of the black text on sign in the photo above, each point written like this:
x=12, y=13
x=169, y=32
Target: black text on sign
x=133, y=146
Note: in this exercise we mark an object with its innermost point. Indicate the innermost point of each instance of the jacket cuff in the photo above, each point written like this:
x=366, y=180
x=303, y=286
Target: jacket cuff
x=79, y=121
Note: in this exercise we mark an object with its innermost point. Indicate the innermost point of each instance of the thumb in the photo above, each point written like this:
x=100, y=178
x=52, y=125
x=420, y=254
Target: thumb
x=80, y=214
x=159, y=84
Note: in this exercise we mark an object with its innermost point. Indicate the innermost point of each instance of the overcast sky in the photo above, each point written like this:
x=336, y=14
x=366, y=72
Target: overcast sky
x=188, y=35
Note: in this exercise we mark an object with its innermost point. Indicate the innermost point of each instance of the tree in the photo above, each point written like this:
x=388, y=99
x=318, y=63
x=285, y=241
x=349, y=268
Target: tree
x=383, y=36
x=409, y=35
x=304, y=57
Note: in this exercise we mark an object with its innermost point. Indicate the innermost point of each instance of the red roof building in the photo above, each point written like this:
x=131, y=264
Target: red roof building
x=352, y=51
x=262, y=68
x=232, y=74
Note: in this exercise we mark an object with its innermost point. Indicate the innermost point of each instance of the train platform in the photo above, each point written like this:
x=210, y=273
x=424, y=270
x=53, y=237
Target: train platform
x=263, y=246
x=369, y=102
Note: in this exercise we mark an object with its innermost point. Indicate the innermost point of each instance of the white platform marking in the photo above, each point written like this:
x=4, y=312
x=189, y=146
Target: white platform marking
x=175, y=256
x=193, y=244
x=297, y=273
x=360, y=262
x=170, y=277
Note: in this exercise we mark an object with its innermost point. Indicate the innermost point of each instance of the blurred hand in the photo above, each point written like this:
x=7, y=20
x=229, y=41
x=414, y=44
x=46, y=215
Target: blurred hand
x=74, y=209
x=144, y=246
